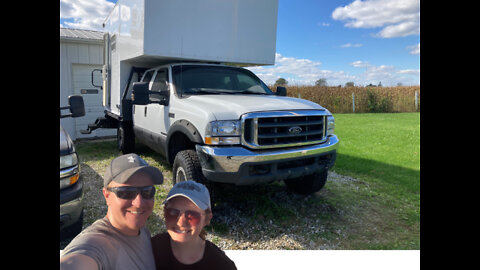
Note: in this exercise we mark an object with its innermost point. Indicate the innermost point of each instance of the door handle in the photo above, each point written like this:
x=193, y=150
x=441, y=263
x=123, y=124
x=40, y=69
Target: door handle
x=145, y=112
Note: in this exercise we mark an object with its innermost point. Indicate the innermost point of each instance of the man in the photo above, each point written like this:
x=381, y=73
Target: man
x=120, y=240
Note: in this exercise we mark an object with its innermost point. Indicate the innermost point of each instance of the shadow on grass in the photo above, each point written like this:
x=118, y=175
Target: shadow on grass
x=395, y=178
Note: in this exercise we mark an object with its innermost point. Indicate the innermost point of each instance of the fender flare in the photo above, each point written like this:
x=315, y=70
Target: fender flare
x=186, y=128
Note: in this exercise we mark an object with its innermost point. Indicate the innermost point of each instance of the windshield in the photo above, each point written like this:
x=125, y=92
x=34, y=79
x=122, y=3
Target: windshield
x=199, y=79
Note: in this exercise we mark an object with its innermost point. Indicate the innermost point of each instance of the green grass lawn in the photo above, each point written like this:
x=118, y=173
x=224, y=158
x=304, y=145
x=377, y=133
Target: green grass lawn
x=383, y=147
x=383, y=151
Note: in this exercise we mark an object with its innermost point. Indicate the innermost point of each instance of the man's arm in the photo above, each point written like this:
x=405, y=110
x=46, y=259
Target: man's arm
x=77, y=262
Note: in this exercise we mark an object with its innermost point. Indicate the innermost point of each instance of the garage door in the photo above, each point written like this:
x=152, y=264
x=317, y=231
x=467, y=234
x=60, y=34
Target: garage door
x=92, y=97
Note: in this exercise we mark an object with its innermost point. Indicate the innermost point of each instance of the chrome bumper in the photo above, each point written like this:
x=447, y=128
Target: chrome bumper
x=234, y=164
x=71, y=198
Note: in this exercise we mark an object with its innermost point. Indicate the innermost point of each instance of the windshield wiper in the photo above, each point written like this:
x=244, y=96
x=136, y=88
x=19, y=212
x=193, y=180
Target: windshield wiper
x=197, y=91
x=249, y=92
x=207, y=92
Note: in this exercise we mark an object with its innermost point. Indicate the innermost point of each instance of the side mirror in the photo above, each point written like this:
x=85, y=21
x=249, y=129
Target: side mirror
x=77, y=107
x=281, y=91
x=162, y=97
x=140, y=94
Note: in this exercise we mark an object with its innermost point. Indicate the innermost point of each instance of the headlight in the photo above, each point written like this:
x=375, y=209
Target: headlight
x=330, y=125
x=224, y=128
x=69, y=170
x=223, y=132
x=68, y=161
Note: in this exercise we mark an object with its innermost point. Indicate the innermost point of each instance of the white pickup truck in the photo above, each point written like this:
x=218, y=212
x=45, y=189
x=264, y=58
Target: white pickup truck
x=194, y=103
x=223, y=124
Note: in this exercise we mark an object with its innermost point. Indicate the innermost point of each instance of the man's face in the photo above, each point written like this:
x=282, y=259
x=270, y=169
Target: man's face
x=129, y=216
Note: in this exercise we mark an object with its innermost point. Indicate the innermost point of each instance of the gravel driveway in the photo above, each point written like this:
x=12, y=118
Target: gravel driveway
x=252, y=217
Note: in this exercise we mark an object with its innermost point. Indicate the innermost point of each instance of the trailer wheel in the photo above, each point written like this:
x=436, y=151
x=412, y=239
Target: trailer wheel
x=308, y=184
x=125, y=138
x=186, y=166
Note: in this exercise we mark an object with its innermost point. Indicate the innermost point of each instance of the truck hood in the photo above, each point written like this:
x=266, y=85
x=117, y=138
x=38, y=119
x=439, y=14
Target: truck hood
x=226, y=107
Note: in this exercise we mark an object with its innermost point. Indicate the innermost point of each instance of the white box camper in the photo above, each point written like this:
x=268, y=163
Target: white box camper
x=146, y=33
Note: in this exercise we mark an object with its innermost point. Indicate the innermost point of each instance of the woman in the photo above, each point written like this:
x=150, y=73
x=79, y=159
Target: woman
x=187, y=211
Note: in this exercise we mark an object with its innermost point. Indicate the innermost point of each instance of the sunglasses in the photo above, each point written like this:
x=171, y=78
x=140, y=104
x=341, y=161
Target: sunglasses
x=192, y=217
x=130, y=193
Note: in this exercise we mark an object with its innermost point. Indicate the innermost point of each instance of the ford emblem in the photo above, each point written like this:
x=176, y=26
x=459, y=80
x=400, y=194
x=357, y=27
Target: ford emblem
x=295, y=130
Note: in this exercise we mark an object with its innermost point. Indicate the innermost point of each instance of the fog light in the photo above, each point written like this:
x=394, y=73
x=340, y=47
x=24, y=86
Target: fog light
x=259, y=169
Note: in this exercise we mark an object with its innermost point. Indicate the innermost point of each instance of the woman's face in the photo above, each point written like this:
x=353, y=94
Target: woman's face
x=184, y=220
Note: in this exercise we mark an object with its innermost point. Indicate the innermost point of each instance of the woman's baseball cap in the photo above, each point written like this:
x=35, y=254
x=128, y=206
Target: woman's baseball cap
x=123, y=167
x=195, y=192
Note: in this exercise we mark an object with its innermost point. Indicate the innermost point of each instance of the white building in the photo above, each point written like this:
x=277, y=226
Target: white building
x=81, y=51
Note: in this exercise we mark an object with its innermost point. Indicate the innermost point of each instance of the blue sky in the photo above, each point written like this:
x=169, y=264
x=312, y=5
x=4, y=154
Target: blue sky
x=365, y=42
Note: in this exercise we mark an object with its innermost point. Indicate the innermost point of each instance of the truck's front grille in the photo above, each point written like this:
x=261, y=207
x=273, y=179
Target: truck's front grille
x=283, y=129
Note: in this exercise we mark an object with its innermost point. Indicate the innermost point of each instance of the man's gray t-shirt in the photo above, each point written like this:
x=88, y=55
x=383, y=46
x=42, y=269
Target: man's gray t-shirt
x=111, y=249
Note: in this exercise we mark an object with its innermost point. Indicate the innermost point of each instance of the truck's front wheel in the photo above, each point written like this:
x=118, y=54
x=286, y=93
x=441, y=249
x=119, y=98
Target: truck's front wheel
x=186, y=166
x=308, y=184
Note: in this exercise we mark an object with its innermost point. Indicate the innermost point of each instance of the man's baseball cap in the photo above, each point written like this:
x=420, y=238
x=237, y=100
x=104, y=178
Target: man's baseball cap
x=195, y=192
x=123, y=167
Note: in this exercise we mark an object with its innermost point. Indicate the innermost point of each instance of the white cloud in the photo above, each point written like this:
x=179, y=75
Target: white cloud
x=410, y=72
x=350, y=45
x=400, y=30
x=299, y=72
x=398, y=18
x=415, y=49
x=86, y=14
x=359, y=64
x=295, y=71
x=306, y=72
x=388, y=75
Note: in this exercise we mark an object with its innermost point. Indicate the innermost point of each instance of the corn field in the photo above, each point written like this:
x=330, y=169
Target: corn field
x=367, y=99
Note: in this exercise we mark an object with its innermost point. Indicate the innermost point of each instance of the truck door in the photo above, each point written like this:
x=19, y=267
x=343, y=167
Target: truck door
x=154, y=117
x=139, y=111
x=158, y=114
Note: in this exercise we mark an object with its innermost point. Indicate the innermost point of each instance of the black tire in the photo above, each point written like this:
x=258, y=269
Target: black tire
x=186, y=166
x=308, y=184
x=72, y=230
x=125, y=138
